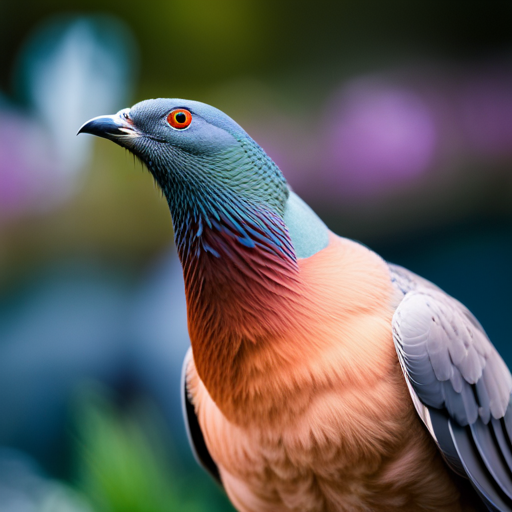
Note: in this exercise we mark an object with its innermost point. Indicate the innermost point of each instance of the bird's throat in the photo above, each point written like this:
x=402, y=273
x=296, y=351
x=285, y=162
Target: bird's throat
x=241, y=276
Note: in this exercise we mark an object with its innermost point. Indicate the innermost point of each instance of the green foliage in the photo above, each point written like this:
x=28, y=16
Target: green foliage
x=123, y=466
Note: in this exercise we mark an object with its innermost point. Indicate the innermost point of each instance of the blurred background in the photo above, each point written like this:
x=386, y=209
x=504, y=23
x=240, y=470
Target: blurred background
x=392, y=119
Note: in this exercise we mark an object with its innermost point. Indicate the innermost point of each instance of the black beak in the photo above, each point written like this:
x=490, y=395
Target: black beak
x=111, y=127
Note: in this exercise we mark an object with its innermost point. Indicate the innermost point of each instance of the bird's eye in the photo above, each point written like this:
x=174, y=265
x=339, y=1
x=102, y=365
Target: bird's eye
x=179, y=119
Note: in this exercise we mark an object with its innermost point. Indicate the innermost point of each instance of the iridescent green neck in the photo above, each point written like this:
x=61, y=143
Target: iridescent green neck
x=237, y=183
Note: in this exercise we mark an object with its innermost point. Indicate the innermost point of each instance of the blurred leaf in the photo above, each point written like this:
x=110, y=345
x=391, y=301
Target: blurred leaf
x=121, y=470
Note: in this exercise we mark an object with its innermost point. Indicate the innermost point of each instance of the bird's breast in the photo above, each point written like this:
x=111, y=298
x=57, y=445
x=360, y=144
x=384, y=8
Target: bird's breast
x=320, y=417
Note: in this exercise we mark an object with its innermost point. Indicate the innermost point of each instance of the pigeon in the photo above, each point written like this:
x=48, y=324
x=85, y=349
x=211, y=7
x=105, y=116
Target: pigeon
x=320, y=377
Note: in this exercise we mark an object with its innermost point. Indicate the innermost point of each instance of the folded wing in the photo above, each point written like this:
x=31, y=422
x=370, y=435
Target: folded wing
x=194, y=433
x=459, y=384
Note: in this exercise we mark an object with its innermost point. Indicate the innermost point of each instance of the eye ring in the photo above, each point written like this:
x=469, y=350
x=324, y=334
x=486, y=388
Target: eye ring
x=179, y=118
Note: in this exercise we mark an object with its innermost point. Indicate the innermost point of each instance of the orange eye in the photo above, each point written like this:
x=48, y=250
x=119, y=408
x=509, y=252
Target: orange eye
x=179, y=119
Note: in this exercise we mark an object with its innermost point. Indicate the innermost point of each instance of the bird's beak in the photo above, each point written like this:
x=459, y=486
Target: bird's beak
x=118, y=126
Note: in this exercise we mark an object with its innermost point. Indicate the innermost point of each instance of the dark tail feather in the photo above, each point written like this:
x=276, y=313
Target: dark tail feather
x=484, y=483
x=492, y=456
x=503, y=441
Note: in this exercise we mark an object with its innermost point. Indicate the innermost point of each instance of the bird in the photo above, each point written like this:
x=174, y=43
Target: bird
x=320, y=377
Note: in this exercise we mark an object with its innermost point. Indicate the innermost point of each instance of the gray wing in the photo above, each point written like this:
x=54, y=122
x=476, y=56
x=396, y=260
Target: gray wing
x=459, y=384
x=194, y=433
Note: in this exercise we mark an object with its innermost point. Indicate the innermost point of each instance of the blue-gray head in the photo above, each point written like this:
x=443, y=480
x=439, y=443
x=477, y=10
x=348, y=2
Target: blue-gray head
x=211, y=172
x=193, y=149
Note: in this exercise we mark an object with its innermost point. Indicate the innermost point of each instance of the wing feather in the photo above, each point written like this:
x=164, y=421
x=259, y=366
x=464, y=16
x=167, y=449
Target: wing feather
x=485, y=485
x=461, y=382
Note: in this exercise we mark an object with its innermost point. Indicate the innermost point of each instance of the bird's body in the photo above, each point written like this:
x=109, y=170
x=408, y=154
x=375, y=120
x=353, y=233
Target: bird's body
x=321, y=379
x=318, y=417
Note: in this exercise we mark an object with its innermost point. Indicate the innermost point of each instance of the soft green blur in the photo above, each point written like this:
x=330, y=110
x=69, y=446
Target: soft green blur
x=121, y=466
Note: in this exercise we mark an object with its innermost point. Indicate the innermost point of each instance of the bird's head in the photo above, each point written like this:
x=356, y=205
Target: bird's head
x=199, y=156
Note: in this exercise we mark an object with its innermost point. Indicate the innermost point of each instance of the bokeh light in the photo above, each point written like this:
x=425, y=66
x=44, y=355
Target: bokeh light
x=378, y=137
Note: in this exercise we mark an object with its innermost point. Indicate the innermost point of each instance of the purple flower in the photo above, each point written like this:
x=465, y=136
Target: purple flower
x=378, y=137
